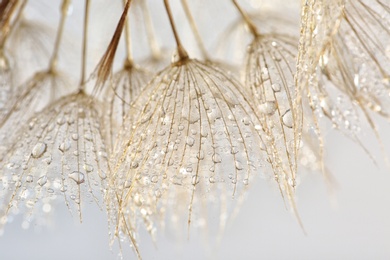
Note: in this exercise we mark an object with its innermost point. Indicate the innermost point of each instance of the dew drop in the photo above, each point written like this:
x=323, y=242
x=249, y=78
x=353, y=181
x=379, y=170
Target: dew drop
x=217, y=158
x=154, y=179
x=287, y=119
x=88, y=167
x=88, y=137
x=61, y=121
x=195, y=180
x=238, y=165
x=246, y=121
x=157, y=193
x=268, y=107
x=234, y=150
x=29, y=178
x=276, y=87
x=63, y=188
x=200, y=155
x=65, y=146
x=190, y=141
x=38, y=150
x=212, y=180
x=78, y=177
x=42, y=180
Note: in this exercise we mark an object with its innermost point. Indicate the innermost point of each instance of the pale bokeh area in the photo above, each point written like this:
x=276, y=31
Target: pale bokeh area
x=353, y=223
x=357, y=228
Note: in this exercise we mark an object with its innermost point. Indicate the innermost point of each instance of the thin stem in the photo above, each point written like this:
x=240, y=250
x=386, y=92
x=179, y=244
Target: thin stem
x=8, y=9
x=84, y=48
x=129, y=59
x=181, y=51
x=154, y=46
x=252, y=27
x=195, y=30
x=64, y=14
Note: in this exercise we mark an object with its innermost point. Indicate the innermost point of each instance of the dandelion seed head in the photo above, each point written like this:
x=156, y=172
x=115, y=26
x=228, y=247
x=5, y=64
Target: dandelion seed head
x=31, y=97
x=46, y=164
x=193, y=134
x=270, y=71
x=126, y=86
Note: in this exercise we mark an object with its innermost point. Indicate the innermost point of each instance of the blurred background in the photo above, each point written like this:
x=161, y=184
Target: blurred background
x=350, y=222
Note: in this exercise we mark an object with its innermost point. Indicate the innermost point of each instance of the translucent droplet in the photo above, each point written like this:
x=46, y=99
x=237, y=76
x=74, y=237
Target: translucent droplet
x=42, y=180
x=154, y=179
x=78, y=177
x=29, y=178
x=217, y=158
x=88, y=137
x=38, y=150
x=287, y=119
x=276, y=87
x=157, y=193
x=61, y=121
x=268, y=107
x=190, y=141
x=238, y=165
x=246, y=121
x=195, y=180
x=212, y=180
x=234, y=150
x=88, y=167
x=65, y=146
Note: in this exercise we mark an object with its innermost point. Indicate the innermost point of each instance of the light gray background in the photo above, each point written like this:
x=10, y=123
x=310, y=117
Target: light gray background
x=356, y=225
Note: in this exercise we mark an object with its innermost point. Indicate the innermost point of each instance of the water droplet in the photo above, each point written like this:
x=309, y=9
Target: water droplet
x=195, y=180
x=288, y=119
x=238, y=165
x=88, y=137
x=217, y=158
x=38, y=150
x=29, y=178
x=65, y=146
x=88, y=167
x=127, y=184
x=200, y=155
x=246, y=121
x=75, y=137
x=61, y=121
x=268, y=107
x=245, y=181
x=154, y=179
x=158, y=193
x=234, y=150
x=212, y=180
x=78, y=177
x=42, y=180
x=190, y=141
x=276, y=87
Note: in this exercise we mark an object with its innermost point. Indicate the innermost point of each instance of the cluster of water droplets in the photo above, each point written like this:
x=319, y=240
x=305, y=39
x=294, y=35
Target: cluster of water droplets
x=193, y=134
x=270, y=70
x=58, y=155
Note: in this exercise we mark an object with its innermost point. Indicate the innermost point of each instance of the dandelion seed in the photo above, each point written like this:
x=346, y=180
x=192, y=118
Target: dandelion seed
x=182, y=93
x=270, y=65
x=5, y=80
x=28, y=46
x=72, y=176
